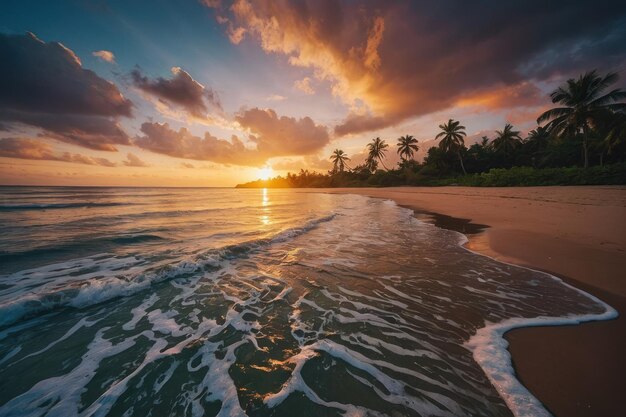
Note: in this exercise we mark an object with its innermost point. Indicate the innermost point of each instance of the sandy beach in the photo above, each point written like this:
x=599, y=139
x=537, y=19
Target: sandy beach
x=575, y=233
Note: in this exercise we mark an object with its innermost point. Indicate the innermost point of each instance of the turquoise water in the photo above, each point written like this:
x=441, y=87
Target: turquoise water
x=155, y=302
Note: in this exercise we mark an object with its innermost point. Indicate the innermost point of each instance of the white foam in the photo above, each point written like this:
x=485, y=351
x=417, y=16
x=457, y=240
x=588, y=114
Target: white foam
x=139, y=312
x=489, y=348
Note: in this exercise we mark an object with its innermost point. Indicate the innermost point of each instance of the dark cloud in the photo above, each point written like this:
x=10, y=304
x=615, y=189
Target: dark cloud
x=44, y=85
x=273, y=136
x=181, y=90
x=24, y=148
x=395, y=60
x=97, y=133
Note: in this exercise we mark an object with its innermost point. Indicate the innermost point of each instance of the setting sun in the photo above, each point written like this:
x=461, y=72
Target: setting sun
x=265, y=173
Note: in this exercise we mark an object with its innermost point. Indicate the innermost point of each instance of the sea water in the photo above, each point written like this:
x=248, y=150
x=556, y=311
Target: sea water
x=226, y=302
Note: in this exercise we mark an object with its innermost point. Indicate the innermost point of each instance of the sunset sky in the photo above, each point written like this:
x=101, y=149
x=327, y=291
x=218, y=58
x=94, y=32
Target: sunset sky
x=207, y=93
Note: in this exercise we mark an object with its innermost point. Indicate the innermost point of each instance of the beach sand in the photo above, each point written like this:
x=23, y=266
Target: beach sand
x=575, y=233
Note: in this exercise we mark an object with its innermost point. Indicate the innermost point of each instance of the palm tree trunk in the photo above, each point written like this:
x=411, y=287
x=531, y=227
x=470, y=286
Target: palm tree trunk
x=383, y=164
x=461, y=161
x=585, y=150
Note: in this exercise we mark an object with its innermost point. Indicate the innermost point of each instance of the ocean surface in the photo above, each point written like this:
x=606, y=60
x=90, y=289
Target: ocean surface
x=227, y=302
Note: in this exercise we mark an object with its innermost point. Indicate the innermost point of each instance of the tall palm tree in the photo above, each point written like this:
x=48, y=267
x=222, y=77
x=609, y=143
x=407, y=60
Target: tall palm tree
x=371, y=164
x=407, y=145
x=506, y=140
x=583, y=103
x=339, y=159
x=376, y=150
x=452, y=139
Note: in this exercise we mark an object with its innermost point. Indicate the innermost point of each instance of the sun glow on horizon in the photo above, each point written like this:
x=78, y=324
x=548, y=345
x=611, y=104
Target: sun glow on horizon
x=265, y=173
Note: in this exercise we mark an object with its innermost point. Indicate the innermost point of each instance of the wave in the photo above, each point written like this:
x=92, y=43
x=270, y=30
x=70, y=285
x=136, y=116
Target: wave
x=129, y=240
x=21, y=207
x=489, y=347
x=80, y=247
x=95, y=291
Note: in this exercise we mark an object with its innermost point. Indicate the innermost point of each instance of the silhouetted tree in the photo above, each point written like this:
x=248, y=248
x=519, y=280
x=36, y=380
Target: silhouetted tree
x=583, y=105
x=339, y=159
x=506, y=142
x=451, y=135
x=376, y=150
x=407, y=145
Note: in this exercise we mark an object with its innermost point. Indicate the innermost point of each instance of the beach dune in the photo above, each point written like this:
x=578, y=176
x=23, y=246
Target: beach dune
x=576, y=233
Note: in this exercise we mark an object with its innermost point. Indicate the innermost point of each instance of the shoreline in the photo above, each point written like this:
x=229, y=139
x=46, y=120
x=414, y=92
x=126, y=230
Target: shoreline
x=574, y=370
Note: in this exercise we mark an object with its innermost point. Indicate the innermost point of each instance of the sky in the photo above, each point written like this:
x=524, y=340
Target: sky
x=215, y=93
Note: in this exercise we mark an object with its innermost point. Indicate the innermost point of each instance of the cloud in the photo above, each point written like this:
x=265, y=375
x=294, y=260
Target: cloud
x=44, y=85
x=236, y=34
x=272, y=136
x=187, y=165
x=524, y=94
x=180, y=90
x=304, y=85
x=357, y=123
x=389, y=61
x=106, y=56
x=307, y=162
x=282, y=136
x=24, y=148
x=212, y=3
x=275, y=97
x=89, y=132
x=134, y=161
x=160, y=138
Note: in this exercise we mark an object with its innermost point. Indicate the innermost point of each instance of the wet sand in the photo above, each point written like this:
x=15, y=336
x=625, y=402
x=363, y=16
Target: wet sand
x=575, y=233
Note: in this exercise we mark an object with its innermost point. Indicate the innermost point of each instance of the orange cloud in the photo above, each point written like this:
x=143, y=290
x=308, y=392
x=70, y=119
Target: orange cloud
x=307, y=162
x=271, y=134
x=389, y=61
x=106, y=56
x=282, y=136
x=304, y=85
x=160, y=138
x=524, y=94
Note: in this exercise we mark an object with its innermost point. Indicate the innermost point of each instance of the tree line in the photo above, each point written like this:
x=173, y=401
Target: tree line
x=586, y=128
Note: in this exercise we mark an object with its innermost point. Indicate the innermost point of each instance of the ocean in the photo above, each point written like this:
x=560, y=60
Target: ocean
x=258, y=302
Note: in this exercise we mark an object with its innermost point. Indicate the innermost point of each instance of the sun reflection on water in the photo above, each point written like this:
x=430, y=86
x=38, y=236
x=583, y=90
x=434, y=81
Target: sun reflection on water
x=265, y=202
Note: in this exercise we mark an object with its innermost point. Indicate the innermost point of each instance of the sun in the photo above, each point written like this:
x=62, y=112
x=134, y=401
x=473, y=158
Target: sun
x=265, y=173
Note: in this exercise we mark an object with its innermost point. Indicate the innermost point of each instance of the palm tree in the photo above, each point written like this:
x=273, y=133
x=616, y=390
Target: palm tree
x=339, y=159
x=371, y=164
x=506, y=140
x=452, y=139
x=617, y=132
x=583, y=104
x=536, y=145
x=376, y=150
x=537, y=138
x=407, y=145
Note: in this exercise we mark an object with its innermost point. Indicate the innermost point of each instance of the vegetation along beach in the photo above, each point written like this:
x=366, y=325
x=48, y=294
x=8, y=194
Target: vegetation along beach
x=316, y=208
